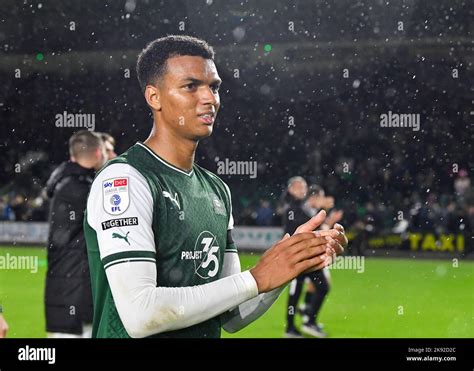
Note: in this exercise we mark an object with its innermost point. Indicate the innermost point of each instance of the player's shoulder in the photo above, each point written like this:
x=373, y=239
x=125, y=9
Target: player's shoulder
x=117, y=186
x=119, y=174
x=116, y=169
x=124, y=164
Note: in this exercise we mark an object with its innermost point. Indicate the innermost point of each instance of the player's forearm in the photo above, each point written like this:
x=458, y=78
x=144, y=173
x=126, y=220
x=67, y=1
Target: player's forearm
x=247, y=312
x=146, y=309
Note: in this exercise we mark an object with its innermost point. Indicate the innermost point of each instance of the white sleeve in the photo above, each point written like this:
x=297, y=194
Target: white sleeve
x=247, y=312
x=120, y=210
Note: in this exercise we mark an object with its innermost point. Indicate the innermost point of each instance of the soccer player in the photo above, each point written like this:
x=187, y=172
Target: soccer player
x=319, y=282
x=158, y=226
x=296, y=212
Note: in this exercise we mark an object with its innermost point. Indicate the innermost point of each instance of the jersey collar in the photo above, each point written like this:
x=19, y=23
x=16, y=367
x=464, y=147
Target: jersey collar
x=164, y=162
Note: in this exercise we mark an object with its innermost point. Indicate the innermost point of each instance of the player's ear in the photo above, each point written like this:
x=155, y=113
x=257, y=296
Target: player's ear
x=152, y=96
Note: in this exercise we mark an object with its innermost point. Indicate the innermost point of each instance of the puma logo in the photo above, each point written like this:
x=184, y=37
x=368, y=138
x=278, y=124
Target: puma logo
x=173, y=199
x=116, y=235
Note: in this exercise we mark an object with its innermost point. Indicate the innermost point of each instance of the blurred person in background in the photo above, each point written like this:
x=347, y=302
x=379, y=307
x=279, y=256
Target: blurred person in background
x=68, y=297
x=19, y=208
x=320, y=282
x=109, y=143
x=462, y=183
x=365, y=224
x=295, y=211
x=3, y=208
x=264, y=214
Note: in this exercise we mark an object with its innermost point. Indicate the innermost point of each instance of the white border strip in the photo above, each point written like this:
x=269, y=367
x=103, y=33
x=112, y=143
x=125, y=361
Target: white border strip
x=123, y=260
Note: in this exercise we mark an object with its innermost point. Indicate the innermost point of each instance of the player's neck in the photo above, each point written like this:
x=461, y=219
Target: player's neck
x=176, y=151
x=85, y=163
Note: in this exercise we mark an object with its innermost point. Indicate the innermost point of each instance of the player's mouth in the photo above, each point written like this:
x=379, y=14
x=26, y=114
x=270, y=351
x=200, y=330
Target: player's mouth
x=207, y=118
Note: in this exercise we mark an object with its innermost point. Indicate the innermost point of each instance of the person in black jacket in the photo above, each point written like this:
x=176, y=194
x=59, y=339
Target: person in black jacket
x=318, y=283
x=295, y=213
x=68, y=296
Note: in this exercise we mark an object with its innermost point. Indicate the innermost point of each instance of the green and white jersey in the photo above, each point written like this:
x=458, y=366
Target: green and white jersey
x=143, y=209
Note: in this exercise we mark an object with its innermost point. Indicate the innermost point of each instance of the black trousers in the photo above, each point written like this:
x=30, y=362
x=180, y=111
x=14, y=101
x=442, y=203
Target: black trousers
x=317, y=299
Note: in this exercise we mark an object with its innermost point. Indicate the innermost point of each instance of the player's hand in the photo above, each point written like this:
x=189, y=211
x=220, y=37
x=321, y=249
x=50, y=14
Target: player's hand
x=341, y=237
x=336, y=238
x=333, y=247
x=288, y=258
x=334, y=217
x=313, y=223
x=3, y=327
x=337, y=241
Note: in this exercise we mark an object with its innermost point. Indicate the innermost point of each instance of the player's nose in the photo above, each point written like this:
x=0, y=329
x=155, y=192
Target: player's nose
x=209, y=97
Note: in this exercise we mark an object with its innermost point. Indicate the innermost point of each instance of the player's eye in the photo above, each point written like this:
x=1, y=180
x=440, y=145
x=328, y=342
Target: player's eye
x=190, y=86
x=215, y=88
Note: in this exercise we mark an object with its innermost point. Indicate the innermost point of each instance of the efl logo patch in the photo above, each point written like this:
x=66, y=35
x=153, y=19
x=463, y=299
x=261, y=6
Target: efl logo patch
x=115, y=195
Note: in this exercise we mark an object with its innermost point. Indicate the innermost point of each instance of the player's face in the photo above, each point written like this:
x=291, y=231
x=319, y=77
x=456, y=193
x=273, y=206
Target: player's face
x=313, y=201
x=328, y=202
x=189, y=96
x=318, y=201
x=298, y=189
x=100, y=157
x=109, y=150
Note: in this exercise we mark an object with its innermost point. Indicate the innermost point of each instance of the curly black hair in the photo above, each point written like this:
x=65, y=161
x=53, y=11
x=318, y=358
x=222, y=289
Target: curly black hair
x=151, y=63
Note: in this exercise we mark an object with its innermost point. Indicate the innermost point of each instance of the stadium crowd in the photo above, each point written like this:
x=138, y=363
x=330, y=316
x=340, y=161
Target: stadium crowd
x=376, y=173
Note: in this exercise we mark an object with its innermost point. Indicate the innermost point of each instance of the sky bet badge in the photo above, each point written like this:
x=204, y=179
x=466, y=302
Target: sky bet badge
x=115, y=195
